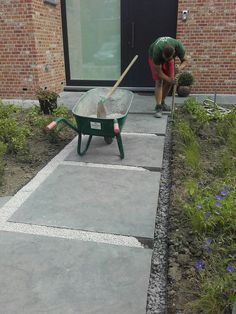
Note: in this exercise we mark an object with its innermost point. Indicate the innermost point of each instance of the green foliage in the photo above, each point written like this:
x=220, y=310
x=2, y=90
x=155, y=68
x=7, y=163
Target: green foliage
x=209, y=216
x=187, y=145
x=183, y=132
x=44, y=94
x=3, y=148
x=196, y=110
x=217, y=294
x=208, y=198
x=47, y=100
x=11, y=132
x=192, y=155
x=36, y=118
x=185, y=79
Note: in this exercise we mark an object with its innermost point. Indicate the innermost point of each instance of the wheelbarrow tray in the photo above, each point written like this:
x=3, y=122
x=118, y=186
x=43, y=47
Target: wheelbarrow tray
x=85, y=113
x=117, y=108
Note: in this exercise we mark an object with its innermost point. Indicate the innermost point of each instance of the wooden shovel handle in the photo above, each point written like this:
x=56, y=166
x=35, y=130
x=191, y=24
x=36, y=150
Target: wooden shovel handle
x=121, y=77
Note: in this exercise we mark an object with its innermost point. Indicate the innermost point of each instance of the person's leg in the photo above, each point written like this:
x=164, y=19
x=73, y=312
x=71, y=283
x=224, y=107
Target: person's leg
x=166, y=89
x=168, y=69
x=158, y=96
x=158, y=89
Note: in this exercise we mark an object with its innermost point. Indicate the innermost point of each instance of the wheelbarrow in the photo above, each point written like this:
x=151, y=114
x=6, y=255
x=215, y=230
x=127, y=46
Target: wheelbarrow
x=87, y=122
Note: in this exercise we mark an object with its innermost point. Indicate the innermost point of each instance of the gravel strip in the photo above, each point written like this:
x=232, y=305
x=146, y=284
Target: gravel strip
x=157, y=291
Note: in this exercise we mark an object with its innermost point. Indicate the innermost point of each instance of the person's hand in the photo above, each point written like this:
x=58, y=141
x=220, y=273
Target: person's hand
x=177, y=69
x=173, y=81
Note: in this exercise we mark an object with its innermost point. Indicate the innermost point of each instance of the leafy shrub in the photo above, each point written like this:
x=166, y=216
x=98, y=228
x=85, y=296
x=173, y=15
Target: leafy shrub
x=11, y=132
x=47, y=100
x=183, y=132
x=36, y=118
x=185, y=79
x=7, y=111
x=3, y=148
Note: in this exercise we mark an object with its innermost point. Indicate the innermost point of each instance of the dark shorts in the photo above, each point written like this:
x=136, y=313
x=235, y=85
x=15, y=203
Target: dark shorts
x=168, y=68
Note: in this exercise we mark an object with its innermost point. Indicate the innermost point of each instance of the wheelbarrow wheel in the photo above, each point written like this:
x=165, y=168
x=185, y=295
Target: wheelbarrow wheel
x=108, y=139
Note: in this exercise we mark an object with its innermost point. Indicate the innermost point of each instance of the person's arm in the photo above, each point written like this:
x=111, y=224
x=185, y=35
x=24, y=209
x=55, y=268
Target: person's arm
x=184, y=63
x=161, y=74
x=180, y=53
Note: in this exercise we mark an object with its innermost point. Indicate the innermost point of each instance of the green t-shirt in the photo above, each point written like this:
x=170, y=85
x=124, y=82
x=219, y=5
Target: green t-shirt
x=155, y=49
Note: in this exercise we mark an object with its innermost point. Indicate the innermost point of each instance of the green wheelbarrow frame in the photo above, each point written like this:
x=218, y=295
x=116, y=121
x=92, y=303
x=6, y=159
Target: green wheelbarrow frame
x=107, y=128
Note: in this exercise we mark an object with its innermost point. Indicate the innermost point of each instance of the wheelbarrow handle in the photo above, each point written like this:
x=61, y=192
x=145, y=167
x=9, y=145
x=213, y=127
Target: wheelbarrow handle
x=116, y=127
x=51, y=125
x=54, y=123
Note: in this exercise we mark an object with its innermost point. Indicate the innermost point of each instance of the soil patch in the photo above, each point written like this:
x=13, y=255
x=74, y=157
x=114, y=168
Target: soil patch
x=20, y=169
x=184, y=245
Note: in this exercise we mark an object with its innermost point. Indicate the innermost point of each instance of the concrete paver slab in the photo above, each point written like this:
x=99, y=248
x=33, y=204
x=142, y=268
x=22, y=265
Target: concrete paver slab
x=4, y=200
x=69, y=99
x=145, y=123
x=57, y=276
x=140, y=151
x=95, y=199
x=142, y=104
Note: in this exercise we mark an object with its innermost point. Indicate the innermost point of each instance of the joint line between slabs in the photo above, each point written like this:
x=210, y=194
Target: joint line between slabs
x=72, y=234
x=109, y=166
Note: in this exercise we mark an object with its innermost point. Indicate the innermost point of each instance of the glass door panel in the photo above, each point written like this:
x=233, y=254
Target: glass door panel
x=93, y=30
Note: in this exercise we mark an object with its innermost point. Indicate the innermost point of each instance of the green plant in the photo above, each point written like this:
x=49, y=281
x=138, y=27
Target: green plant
x=47, y=100
x=216, y=294
x=208, y=200
x=12, y=134
x=45, y=94
x=192, y=155
x=3, y=148
x=7, y=110
x=183, y=132
x=185, y=79
x=36, y=118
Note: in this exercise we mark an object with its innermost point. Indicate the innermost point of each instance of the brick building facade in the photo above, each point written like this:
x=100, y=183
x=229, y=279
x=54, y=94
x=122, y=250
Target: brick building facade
x=210, y=38
x=31, y=46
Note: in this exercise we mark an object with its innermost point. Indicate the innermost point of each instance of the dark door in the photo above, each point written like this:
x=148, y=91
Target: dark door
x=142, y=22
x=102, y=37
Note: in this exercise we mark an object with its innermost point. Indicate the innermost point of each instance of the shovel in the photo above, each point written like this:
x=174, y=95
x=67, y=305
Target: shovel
x=173, y=96
x=101, y=111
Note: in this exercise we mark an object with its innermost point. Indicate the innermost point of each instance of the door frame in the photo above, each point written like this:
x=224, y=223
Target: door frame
x=80, y=84
x=72, y=84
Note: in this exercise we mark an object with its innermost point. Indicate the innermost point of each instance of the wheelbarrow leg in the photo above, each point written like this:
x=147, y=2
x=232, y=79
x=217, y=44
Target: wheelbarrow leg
x=81, y=153
x=120, y=145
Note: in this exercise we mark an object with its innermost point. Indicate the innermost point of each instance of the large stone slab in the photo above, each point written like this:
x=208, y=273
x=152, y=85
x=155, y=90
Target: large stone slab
x=69, y=99
x=143, y=103
x=140, y=150
x=4, y=200
x=145, y=123
x=95, y=199
x=58, y=276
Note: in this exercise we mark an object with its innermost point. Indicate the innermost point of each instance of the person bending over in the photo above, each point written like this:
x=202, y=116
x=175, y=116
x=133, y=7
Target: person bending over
x=162, y=53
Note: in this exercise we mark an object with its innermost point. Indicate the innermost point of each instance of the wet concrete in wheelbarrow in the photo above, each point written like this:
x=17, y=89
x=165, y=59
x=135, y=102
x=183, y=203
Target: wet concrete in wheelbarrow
x=76, y=240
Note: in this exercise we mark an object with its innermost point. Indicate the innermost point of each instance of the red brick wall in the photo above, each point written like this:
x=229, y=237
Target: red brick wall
x=31, y=48
x=210, y=39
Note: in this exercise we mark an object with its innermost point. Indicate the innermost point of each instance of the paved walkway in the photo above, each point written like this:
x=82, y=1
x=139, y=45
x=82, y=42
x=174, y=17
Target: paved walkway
x=78, y=237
